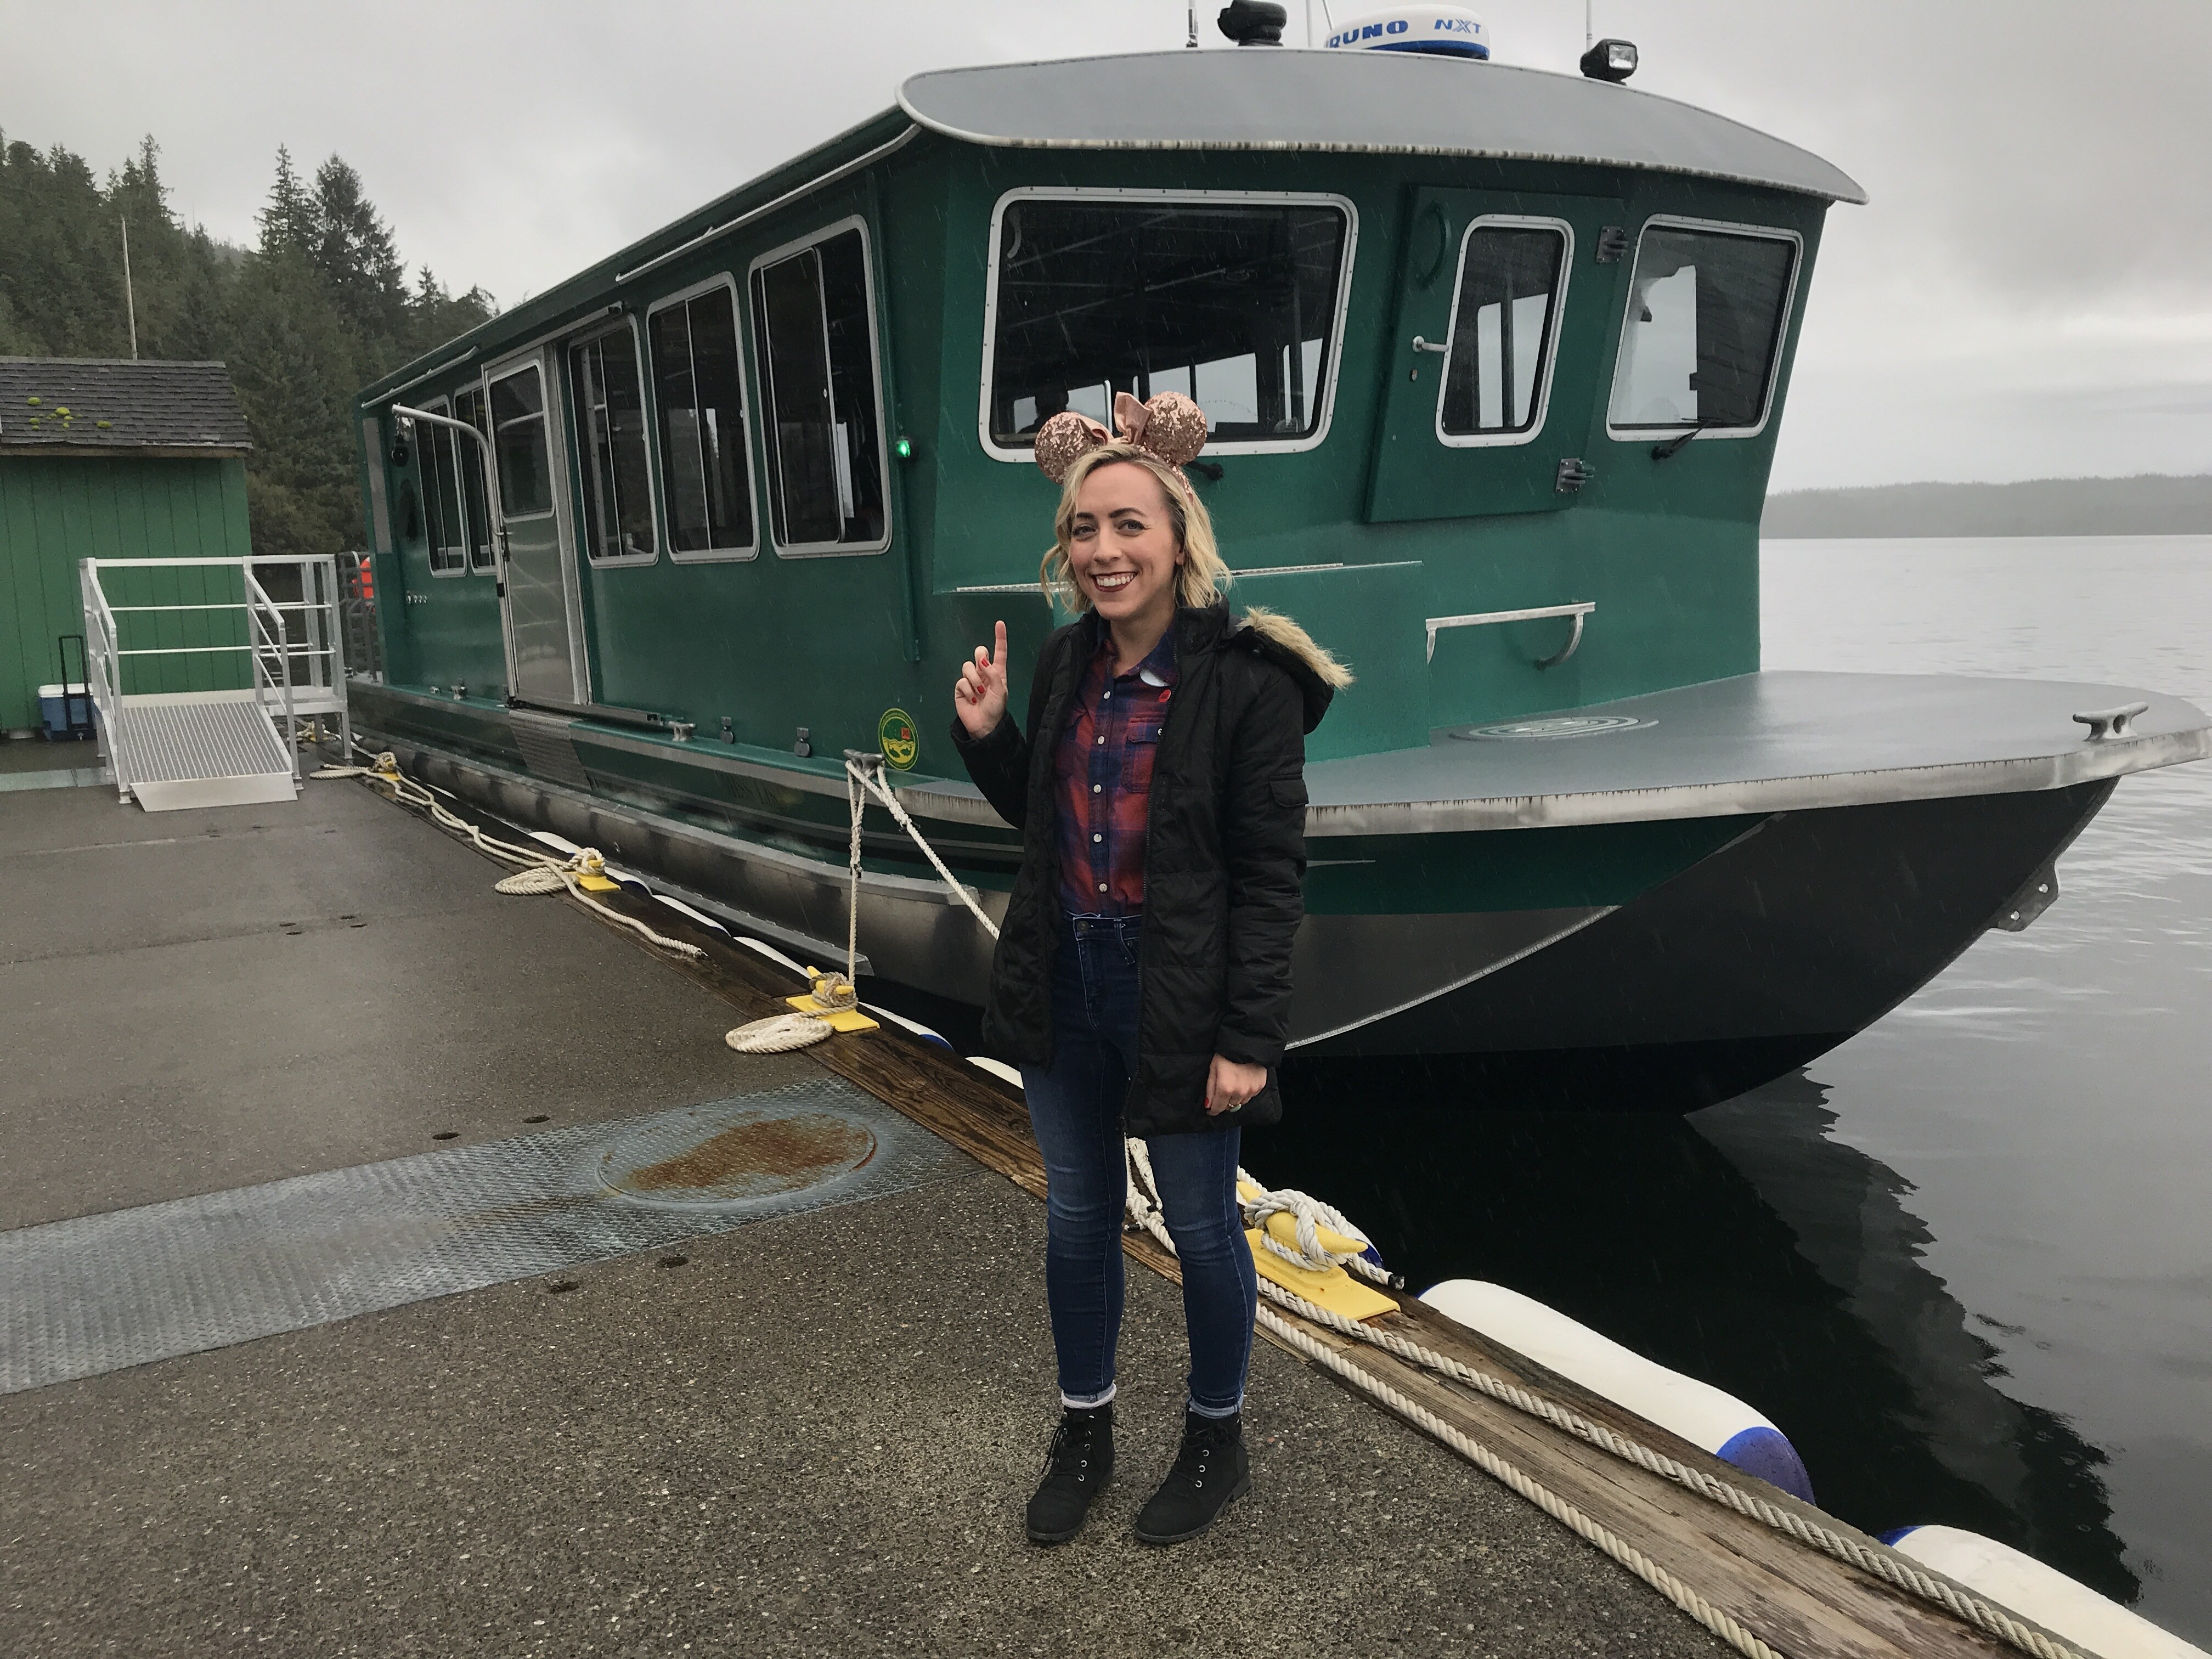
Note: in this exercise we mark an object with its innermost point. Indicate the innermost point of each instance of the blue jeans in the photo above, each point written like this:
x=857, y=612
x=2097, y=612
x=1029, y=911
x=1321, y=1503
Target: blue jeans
x=1075, y=1111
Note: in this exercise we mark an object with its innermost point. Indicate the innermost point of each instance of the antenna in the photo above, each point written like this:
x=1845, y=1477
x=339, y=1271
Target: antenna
x=1589, y=33
x=1193, y=41
x=130, y=300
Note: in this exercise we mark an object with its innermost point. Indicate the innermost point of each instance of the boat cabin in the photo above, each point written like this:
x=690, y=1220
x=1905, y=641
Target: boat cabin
x=1493, y=360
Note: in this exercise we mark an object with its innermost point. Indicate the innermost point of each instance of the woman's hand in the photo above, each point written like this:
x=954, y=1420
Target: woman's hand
x=980, y=695
x=1229, y=1084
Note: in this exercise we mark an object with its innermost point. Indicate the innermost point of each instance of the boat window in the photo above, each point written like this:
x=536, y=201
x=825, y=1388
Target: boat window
x=1232, y=303
x=602, y=375
x=1504, y=319
x=469, y=406
x=815, y=338
x=1706, y=310
x=445, y=522
x=699, y=396
x=525, y=474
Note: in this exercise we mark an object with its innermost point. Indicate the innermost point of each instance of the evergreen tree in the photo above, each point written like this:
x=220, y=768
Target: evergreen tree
x=288, y=223
x=354, y=251
x=317, y=310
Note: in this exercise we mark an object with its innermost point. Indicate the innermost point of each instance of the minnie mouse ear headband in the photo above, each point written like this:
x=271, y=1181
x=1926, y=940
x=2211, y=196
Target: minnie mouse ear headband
x=1168, y=425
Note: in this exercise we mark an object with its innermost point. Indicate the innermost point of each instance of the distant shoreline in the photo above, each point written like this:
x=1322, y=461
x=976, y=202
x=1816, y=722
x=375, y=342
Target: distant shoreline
x=2150, y=504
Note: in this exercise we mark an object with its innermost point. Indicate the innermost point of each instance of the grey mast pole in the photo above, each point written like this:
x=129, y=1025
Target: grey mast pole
x=129, y=300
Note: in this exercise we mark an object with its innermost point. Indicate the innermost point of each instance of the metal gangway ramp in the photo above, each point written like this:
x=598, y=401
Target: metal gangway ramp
x=201, y=709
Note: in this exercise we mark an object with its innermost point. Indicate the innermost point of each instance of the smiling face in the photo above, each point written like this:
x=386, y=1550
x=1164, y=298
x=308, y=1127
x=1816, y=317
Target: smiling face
x=1122, y=547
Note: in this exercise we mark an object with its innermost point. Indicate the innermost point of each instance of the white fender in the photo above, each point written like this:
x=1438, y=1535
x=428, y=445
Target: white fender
x=1698, y=1412
x=2027, y=1587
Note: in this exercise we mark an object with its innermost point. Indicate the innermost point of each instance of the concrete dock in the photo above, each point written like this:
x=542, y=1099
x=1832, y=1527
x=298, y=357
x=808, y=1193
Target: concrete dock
x=806, y=1432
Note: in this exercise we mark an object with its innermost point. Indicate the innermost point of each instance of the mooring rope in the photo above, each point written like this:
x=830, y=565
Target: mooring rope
x=1144, y=1213
x=540, y=872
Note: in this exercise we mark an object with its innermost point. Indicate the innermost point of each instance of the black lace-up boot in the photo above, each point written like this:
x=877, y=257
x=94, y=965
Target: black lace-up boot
x=1211, y=1472
x=1078, y=1466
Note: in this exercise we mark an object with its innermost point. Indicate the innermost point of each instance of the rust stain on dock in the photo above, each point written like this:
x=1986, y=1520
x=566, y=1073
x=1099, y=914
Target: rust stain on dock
x=777, y=1154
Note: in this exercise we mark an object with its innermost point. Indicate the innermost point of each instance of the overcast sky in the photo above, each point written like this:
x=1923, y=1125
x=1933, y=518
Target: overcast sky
x=2030, y=293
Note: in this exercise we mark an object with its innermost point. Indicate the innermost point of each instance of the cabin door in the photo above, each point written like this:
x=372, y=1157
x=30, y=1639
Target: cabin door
x=1504, y=310
x=543, y=609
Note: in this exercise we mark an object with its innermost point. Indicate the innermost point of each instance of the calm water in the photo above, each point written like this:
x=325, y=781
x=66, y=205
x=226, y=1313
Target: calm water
x=1964, y=1260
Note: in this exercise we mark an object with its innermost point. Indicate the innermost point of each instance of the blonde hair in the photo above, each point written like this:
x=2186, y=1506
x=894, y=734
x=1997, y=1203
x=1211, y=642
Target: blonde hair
x=1204, y=576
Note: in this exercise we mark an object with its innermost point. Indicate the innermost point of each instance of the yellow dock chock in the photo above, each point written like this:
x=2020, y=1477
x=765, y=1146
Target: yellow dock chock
x=1335, y=1289
x=833, y=999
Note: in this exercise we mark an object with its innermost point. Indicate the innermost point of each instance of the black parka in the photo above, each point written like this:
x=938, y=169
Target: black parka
x=1225, y=856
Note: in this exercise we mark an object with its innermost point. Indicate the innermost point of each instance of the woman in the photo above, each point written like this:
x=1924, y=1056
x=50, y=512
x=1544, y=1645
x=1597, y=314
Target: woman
x=1143, y=973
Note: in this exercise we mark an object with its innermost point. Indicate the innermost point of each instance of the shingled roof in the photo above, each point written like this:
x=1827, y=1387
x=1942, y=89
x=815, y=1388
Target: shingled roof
x=98, y=405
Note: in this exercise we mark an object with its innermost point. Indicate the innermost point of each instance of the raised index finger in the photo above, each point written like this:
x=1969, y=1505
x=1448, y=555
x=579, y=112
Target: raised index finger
x=998, y=646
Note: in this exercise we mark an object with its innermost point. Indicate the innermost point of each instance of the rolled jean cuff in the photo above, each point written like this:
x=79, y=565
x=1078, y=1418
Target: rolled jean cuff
x=1088, y=1402
x=1217, y=1412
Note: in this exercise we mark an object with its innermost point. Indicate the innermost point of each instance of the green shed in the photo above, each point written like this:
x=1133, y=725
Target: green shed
x=109, y=459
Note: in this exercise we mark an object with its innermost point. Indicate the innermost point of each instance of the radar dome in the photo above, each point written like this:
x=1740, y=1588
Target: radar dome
x=1437, y=31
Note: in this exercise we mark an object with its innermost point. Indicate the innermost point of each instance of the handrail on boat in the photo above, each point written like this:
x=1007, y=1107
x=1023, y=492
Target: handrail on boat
x=1579, y=609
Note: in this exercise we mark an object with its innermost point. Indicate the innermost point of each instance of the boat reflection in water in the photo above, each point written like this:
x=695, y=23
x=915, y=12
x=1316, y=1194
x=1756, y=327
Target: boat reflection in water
x=1740, y=1245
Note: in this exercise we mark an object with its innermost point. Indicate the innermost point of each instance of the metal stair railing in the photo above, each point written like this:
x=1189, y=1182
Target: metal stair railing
x=292, y=673
x=103, y=667
x=266, y=620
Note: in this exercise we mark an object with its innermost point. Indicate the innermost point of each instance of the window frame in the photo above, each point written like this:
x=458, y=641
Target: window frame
x=728, y=283
x=485, y=460
x=577, y=411
x=530, y=362
x=1508, y=439
x=1330, y=367
x=427, y=437
x=753, y=325
x=1645, y=434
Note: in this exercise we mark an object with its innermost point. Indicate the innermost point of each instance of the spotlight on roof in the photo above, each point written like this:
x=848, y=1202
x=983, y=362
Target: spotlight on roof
x=1253, y=23
x=1610, y=60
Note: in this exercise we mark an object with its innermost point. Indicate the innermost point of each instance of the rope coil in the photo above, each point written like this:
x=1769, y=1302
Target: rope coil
x=538, y=871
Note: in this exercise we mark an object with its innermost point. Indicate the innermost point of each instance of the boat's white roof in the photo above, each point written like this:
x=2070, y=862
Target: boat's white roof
x=1774, y=742
x=1372, y=102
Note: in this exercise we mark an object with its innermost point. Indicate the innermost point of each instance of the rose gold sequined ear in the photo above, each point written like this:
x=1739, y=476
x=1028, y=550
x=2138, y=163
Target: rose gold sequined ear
x=1062, y=439
x=1174, y=428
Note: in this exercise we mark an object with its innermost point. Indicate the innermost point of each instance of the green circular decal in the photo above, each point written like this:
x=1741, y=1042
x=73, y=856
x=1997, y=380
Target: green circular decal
x=895, y=737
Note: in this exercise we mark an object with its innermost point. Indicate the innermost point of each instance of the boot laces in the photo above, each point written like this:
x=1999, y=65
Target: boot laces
x=1073, y=1444
x=1202, y=1443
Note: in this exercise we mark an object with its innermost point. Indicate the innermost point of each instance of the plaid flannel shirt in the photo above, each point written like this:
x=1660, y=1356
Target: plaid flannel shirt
x=1103, y=771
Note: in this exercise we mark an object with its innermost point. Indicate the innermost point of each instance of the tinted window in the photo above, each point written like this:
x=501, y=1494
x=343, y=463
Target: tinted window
x=617, y=521
x=1703, y=329
x=525, y=476
x=1501, y=334
x=817, y=359
x=445, y=523
x=469, y=406
x=699, y=395
x=1233, y=305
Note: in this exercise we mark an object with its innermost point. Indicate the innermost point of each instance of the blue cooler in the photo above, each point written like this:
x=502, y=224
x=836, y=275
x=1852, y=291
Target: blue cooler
x=55, y=705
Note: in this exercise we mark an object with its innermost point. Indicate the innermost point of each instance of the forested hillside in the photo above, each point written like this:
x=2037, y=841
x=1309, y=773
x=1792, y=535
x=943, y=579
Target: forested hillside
x=2151, y=504
x=319, y=309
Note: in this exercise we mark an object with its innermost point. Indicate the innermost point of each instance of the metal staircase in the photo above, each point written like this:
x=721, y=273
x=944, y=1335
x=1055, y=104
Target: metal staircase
x=226, y=746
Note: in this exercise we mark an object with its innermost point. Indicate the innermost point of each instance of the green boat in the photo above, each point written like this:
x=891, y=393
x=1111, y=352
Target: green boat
x=1494, y=361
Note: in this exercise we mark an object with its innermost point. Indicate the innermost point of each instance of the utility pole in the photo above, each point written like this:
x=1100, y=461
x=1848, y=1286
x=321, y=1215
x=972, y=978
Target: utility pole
x=130, y=300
